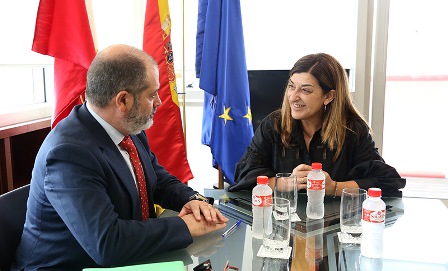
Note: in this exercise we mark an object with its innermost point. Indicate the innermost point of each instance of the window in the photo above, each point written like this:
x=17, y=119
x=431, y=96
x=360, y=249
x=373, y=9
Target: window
x=416, y=87
x=26, y=77
x=23, y=85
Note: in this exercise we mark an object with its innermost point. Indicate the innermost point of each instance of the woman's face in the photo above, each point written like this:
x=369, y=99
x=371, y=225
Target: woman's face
x=306, y=98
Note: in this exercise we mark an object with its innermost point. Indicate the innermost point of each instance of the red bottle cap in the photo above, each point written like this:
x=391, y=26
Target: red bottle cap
x=374, y=192
x=262, y=180
x=316, y=166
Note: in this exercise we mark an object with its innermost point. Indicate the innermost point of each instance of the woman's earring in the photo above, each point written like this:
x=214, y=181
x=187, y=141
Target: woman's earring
x=325, y=108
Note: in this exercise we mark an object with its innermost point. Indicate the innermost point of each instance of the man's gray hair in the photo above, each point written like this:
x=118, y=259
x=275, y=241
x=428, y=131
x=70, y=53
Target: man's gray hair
x=113, y=72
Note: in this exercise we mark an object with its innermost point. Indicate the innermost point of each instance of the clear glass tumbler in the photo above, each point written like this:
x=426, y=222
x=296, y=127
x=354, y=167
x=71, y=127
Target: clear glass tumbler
x=351, y=213
x=277, y=240
x=286, y=187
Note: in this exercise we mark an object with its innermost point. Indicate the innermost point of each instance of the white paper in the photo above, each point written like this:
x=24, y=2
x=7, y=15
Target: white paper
x=295, y=217
x=348, y=239
x=267, y=253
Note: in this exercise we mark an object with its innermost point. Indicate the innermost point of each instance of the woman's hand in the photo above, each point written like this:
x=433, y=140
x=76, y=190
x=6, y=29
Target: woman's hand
x=330, y=185
x=301, y=172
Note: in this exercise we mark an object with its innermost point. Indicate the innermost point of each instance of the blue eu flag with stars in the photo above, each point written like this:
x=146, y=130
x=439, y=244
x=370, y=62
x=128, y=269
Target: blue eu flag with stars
x=221, y=67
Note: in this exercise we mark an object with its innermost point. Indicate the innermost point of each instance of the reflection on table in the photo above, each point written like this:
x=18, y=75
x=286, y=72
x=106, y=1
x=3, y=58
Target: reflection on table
x=414, y=239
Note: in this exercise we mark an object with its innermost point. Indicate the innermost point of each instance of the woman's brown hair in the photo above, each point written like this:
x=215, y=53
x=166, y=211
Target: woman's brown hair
x=330, y=75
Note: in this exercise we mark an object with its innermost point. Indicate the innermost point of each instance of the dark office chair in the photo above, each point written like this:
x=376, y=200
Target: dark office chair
x=12, y=218
x=266, y=92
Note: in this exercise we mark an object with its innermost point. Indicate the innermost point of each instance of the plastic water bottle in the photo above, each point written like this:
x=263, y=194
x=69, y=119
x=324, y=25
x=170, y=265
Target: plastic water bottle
x=314, y=243
x=373, y=217
x=261, y=207
x=370, y=264
x=316, y=192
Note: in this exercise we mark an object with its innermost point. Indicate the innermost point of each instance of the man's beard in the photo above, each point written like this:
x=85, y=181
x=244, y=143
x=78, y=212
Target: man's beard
x=135, y=121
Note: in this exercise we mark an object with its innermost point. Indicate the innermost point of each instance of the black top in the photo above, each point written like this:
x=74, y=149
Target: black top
x=358, y=161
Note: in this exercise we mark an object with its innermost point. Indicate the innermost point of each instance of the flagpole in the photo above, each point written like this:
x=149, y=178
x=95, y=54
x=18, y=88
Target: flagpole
x=90, y=15
x=184, y=113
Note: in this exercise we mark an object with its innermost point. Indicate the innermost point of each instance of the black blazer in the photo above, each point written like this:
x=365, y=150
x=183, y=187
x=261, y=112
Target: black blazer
x=358, y=161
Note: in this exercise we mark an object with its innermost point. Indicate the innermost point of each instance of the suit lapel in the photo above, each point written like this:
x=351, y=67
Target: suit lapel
x=113, y=158
x=121, y=169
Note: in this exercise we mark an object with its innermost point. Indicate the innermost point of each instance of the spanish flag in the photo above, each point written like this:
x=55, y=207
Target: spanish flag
x=166, y=137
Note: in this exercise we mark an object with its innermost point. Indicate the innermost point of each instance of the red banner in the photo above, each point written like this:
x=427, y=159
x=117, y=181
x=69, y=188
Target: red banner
x=63, y=32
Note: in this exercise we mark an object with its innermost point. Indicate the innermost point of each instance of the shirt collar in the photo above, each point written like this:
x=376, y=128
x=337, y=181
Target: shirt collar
x=114, y=134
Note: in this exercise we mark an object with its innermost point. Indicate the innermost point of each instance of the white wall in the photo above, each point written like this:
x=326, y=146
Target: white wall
x=277, y=33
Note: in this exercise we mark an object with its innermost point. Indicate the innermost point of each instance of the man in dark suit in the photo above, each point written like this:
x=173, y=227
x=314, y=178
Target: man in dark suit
x=84, y=207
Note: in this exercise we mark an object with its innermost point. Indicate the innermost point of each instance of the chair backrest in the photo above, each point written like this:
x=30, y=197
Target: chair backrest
x=266, y=92
x=12, y=219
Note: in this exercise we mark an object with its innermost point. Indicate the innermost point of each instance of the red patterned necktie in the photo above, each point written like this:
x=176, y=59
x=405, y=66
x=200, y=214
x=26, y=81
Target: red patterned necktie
x=129, y=146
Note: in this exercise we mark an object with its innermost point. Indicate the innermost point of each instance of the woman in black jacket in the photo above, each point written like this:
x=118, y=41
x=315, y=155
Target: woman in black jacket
x=317, y=123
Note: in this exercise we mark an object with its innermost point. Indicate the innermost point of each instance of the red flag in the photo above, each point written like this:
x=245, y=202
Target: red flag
x=166, y=136
x=63, y=32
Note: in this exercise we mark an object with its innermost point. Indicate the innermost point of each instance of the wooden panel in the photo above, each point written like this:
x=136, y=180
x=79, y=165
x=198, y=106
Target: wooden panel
x=8, y=164
x=24, y=148
x=26, y=127
x=3, y=175
x=19, y=145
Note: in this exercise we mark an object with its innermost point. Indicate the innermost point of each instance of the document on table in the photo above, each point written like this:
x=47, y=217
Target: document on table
x=163, y=266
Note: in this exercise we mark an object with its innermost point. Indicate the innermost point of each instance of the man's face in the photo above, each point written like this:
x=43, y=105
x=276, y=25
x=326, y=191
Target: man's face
x=145, y=105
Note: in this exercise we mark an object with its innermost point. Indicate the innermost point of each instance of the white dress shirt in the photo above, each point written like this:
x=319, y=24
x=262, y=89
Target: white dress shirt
x=116, y=137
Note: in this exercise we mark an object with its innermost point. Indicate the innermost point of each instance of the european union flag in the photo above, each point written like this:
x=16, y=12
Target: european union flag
x=227, y=120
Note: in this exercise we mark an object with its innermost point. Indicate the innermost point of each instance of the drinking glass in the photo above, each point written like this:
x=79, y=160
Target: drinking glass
x=314, y=242
x=286, y=187
x=349, y=257
x=351, y=213
x=271, y=264
x=277, y=239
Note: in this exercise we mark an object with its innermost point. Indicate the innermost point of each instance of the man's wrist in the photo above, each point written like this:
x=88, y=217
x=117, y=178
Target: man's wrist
x=199, y=197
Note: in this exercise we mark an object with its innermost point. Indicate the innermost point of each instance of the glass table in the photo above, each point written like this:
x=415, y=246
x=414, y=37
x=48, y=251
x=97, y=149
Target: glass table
x=415, y=238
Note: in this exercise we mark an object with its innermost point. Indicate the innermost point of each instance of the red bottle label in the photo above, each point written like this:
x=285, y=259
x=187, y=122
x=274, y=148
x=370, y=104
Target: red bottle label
x=315, y=184
x=262, y=201
x=373, y=216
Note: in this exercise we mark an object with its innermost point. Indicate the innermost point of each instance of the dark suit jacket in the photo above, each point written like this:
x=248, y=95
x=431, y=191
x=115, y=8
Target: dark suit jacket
x=83, y=208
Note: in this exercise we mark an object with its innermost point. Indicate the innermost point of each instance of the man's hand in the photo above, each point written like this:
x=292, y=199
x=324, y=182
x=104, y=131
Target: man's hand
x=202, y=218
x=201, y=227
x=201, y=209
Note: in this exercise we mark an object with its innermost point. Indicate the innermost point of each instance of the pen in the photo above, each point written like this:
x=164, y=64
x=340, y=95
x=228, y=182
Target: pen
x=231, y=229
